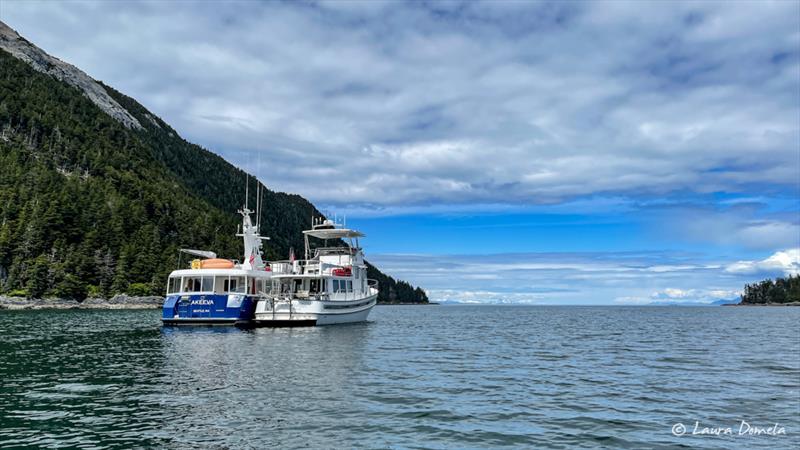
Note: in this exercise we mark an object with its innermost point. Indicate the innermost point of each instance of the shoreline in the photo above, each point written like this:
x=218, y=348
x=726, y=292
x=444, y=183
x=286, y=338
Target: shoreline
x=407, y=304
x=763, y=304
x=115, y=302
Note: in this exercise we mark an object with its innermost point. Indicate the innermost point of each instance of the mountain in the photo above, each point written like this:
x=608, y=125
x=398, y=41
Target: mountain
x=97, y=194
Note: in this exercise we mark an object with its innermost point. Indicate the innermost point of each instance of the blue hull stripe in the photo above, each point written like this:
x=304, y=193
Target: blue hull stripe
x=208, y=308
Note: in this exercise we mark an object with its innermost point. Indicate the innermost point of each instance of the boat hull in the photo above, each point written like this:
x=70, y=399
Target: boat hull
x=204, y=309
x=312, y=312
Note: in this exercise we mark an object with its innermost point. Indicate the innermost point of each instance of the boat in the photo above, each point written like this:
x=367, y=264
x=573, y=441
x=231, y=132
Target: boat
x=216, y=291
x=330, y=286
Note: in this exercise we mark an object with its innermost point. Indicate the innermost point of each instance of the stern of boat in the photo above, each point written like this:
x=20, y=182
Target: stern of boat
x=228, y=309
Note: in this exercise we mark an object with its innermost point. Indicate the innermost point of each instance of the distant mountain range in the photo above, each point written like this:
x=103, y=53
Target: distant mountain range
x=730, y=301
x=97, y=193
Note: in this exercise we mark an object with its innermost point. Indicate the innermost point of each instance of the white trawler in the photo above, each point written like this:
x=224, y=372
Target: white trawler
x=330, y=287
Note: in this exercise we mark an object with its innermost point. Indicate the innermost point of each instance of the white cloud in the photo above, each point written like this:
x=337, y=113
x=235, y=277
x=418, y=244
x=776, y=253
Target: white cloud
x=473, y=102
x=693, y=295
x=485, y=297
x=568, y=278
x=784, y=262
x=741, y=224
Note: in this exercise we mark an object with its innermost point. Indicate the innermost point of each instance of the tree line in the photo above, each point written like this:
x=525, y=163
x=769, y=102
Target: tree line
x=780, y=290
x=91, y=208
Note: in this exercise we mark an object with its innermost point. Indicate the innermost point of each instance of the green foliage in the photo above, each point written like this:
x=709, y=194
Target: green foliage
x=781, y=290
x=38, y=277
x=140, y=289
x=93, y=291
x=70, y=287
x=391, y=291
x=89, y=207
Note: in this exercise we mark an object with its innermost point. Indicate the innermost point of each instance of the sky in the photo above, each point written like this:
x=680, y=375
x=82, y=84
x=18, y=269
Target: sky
x=494, y=152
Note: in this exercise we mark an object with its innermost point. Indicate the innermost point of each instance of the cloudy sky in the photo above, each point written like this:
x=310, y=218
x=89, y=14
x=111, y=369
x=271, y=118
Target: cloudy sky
x=536, y=152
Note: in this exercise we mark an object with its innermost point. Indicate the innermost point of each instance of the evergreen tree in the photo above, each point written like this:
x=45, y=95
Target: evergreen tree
x=90, y=207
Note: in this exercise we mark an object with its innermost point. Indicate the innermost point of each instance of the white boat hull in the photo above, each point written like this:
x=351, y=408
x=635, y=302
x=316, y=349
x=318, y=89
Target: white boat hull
x=312, y=312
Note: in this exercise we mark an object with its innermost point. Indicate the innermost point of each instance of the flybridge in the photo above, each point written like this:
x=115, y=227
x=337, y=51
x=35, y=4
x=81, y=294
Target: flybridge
x=326, y=229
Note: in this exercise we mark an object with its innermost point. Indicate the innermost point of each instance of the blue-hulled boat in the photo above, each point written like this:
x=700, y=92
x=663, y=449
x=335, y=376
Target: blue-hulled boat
x=218, y=291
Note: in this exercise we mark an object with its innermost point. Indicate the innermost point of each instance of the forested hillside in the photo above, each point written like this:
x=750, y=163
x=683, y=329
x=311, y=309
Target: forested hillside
x=91, y=207
x=781, y=290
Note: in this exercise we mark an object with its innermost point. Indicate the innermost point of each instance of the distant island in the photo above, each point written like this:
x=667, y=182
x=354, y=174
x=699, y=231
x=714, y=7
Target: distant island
x=781, y=291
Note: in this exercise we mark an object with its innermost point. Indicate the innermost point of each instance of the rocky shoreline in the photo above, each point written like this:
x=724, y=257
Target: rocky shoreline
x=115, y=302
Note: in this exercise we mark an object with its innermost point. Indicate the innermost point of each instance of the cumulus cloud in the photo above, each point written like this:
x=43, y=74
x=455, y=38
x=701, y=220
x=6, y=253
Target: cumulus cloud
x=392, y=103
x=783, y=263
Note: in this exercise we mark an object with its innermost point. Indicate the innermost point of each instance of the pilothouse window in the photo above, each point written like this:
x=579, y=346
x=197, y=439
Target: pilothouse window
x=191, y=284
x=198, y=284
x=342, y=286
x=174, y=285
x=235, y=284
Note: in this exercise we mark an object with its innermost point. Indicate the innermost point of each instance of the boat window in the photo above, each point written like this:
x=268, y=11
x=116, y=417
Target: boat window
x=349, y=286
x=174, y=285
x=191, y=284
x=235, y=284
x=221, y=284
x=336, y=286
x=207, y=284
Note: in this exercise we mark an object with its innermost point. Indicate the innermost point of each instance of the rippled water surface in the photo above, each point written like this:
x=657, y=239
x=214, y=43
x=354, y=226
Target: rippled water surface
x=432, y=377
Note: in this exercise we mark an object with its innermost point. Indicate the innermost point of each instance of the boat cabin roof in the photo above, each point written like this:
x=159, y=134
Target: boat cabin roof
x=333, y=233
x=220, y=273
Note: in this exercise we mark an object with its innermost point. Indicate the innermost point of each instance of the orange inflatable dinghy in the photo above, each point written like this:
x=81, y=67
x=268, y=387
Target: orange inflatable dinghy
x=216, y=263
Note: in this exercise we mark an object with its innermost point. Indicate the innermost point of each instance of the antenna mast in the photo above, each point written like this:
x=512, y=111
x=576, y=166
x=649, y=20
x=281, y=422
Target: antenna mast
x=258, y=206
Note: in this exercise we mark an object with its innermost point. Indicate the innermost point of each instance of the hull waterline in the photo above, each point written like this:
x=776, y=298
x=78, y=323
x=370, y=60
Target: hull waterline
x=311, y=313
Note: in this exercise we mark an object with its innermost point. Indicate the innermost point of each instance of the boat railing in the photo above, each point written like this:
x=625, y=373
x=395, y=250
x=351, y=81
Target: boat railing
x=301, y=295
x=280, y=267
x=306, y=266
x=289, y=267
x=372, y=283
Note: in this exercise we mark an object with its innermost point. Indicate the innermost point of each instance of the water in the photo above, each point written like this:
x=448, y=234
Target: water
x=433, y=377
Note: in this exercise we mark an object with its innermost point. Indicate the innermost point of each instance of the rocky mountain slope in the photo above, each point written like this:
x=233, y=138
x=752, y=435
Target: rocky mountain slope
x=97, y=193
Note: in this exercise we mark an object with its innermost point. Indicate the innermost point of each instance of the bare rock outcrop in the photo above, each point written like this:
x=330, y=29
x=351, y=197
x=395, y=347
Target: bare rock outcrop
x=20, y=48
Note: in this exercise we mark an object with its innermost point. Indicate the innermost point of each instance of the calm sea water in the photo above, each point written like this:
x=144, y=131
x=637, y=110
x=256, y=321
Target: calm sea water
x=432, y=377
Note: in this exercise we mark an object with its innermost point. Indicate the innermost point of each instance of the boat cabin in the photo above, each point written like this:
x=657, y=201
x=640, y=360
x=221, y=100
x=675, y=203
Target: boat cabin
x=328, y=272
x=217, y=282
